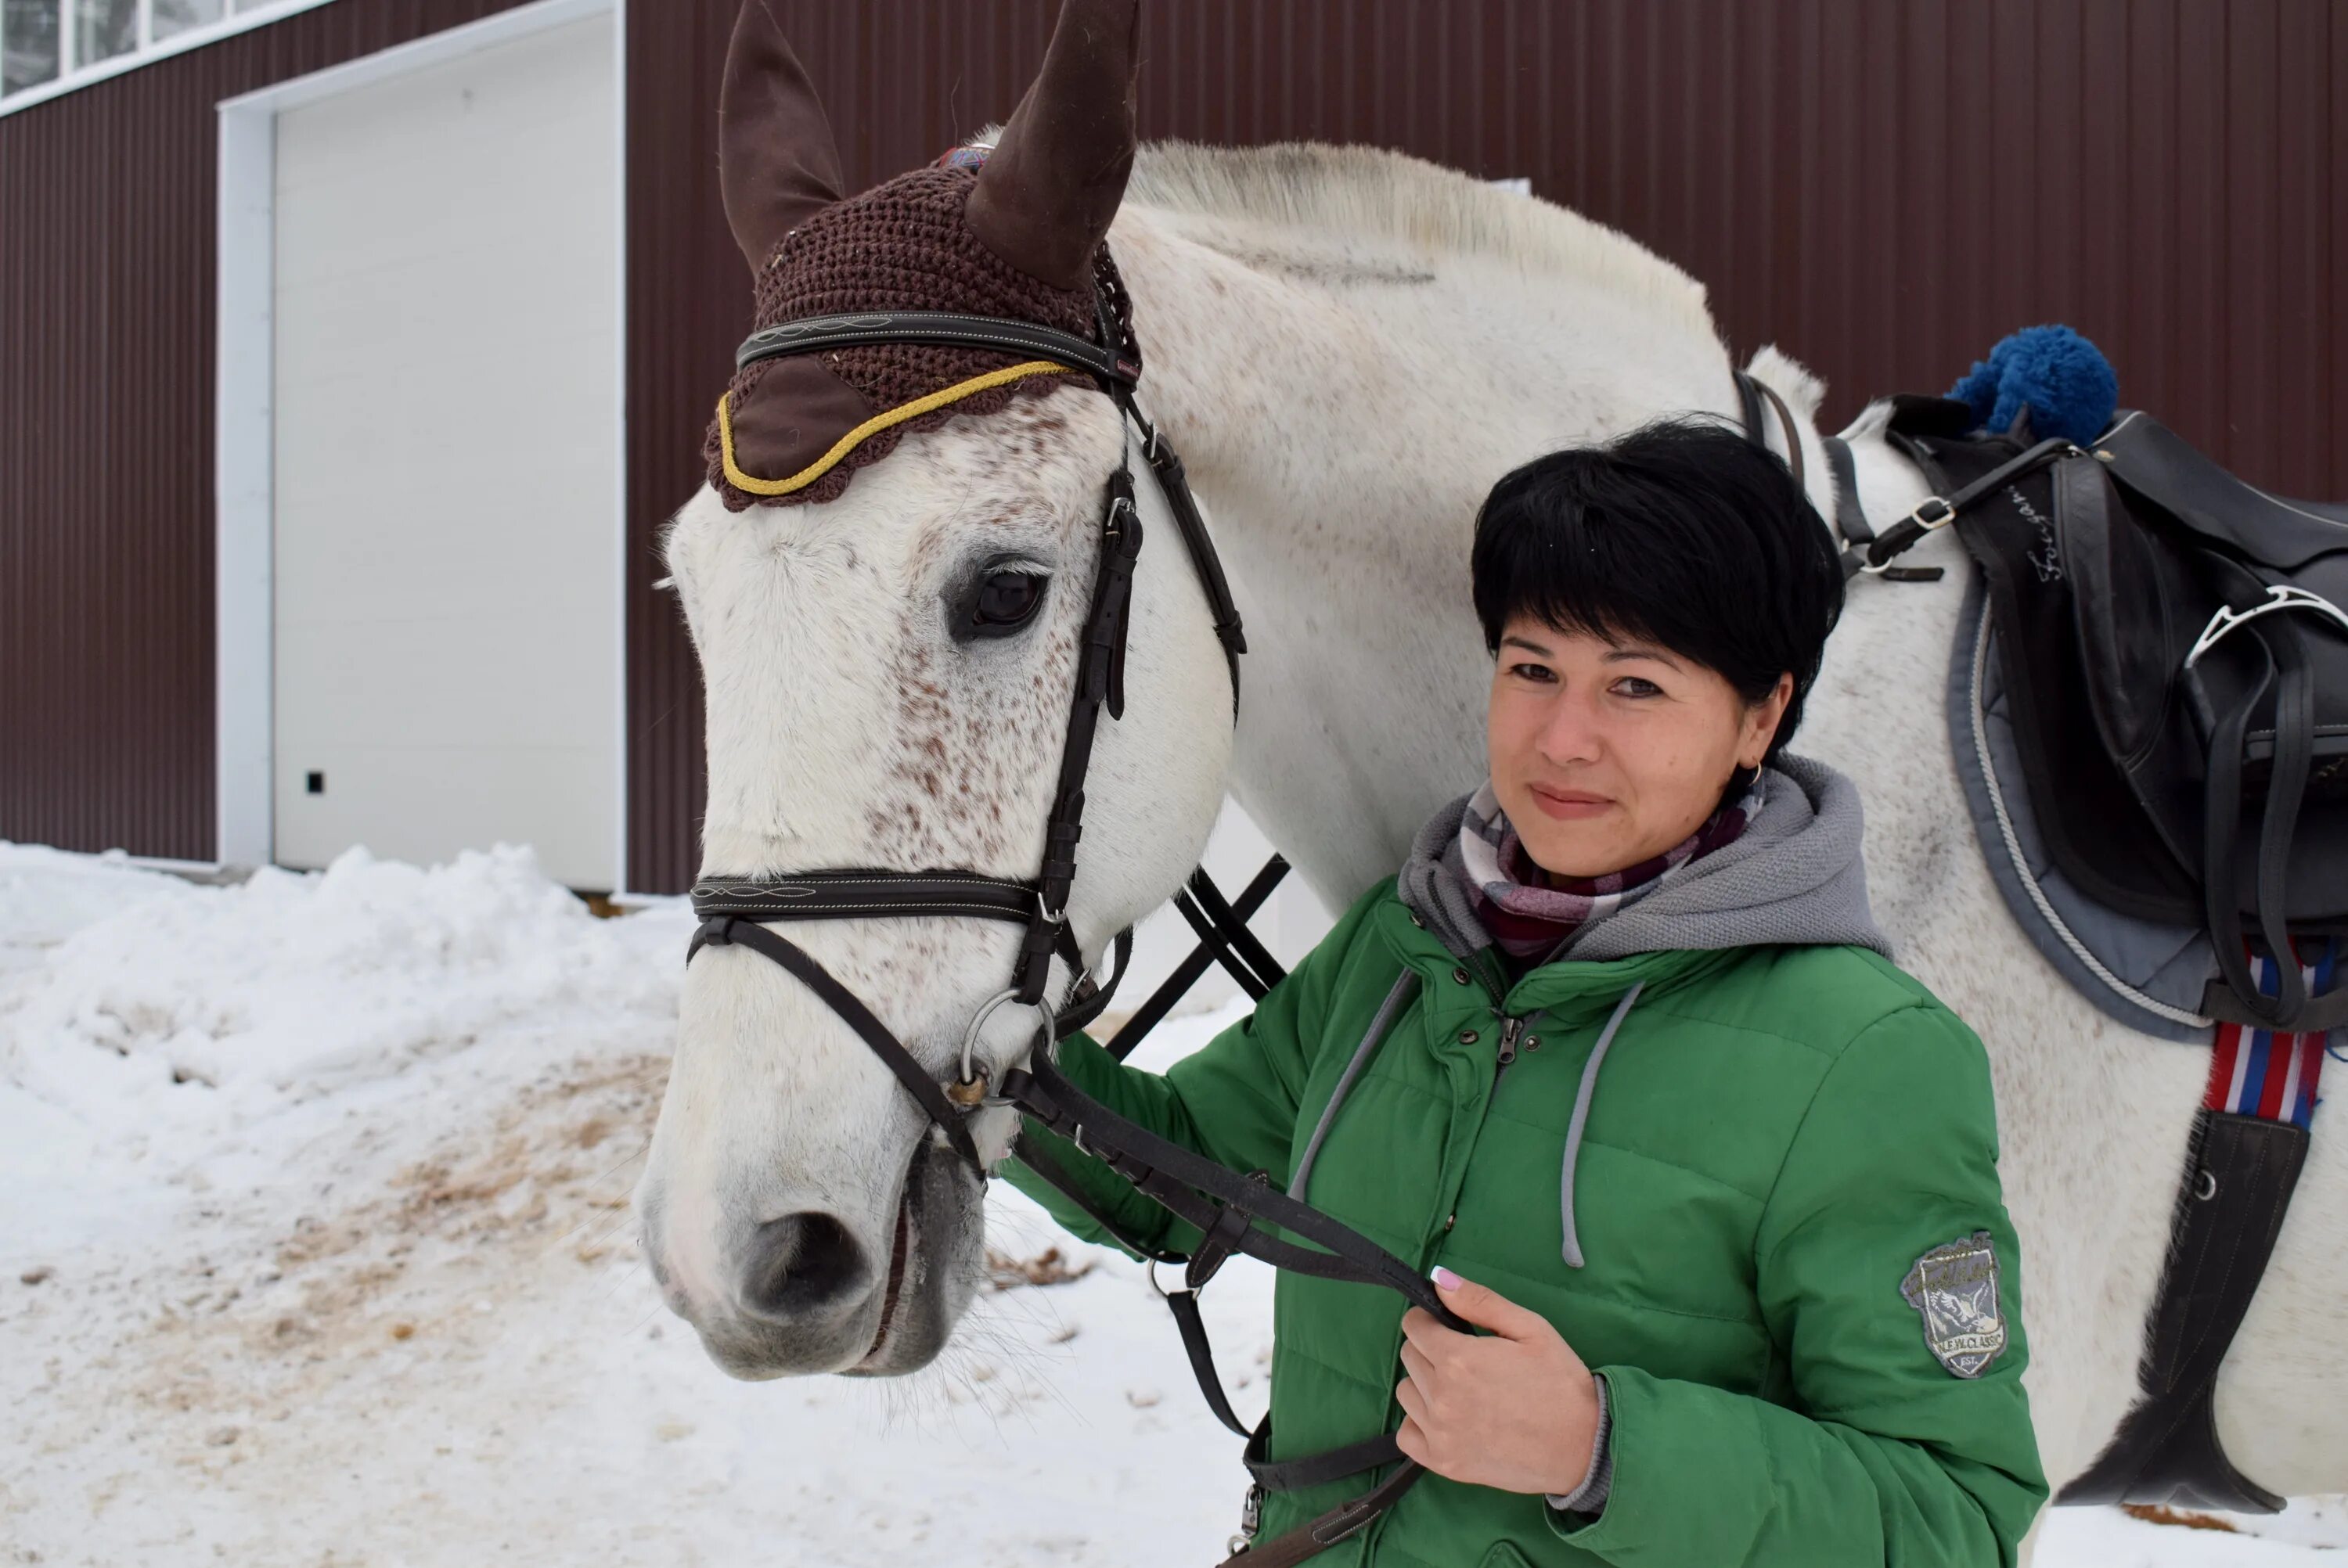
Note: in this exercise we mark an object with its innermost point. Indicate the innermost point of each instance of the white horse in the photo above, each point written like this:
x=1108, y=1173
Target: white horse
x=1348, y=346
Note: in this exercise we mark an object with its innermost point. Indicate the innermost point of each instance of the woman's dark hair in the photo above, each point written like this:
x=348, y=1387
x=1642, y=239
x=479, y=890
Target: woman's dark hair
x=1682, y=533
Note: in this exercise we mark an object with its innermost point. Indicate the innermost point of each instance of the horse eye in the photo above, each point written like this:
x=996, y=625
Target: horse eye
x=1005, y=600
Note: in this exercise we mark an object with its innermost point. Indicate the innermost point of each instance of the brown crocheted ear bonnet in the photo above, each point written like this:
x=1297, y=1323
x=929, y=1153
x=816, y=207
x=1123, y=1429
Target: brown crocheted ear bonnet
x=1013, y=231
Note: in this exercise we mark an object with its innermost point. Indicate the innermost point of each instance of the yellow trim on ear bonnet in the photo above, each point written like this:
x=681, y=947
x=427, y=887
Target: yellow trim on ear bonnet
x=751, y=485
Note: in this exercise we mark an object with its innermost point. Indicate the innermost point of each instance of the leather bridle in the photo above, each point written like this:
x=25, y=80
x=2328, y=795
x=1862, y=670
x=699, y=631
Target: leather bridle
x=1225, y=1207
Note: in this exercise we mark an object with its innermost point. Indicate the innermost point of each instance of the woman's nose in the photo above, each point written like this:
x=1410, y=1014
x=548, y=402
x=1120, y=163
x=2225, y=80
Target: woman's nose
x=1572, y=733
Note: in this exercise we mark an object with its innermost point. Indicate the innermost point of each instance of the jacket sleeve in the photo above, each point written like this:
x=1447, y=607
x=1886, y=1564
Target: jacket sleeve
x=1881, y=1455
x=1234, y=1100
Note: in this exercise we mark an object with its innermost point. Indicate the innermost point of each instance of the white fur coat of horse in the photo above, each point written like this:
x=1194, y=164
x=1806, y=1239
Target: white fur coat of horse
x=1348, y=347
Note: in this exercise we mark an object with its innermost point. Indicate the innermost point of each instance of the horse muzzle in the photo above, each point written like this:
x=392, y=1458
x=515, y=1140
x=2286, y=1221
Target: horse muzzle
x=810, y=1292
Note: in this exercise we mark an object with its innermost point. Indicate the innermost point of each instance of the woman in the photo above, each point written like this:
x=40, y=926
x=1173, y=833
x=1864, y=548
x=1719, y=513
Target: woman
x=1622, y=1059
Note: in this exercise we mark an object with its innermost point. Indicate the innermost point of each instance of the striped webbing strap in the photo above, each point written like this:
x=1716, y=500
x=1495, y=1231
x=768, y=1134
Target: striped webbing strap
x=2269, y=1073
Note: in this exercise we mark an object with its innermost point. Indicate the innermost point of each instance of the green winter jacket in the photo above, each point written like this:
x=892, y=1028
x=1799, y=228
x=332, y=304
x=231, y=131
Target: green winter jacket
x=1777, y=1135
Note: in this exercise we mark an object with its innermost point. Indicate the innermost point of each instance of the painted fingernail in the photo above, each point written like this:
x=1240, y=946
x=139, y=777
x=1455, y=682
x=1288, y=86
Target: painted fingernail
x=1446, y=1280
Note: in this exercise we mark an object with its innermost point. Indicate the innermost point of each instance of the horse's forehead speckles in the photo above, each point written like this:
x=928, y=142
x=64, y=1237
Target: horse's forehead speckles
x=969, y=756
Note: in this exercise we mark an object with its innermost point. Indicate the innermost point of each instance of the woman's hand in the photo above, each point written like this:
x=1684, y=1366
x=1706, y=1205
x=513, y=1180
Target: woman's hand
x=1517, y=1411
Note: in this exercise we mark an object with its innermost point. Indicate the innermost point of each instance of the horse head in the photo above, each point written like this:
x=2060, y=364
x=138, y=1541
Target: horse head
x=886, y=579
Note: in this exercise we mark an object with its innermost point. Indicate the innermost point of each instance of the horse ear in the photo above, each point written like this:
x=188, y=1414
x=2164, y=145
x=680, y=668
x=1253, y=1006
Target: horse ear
x=776, y=163
x=1047, y=191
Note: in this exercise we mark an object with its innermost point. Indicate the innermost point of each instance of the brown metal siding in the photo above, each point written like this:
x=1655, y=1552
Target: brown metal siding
x=107, y=265
x=1883, y=190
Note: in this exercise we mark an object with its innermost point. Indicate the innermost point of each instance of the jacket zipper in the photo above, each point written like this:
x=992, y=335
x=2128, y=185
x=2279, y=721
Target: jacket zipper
x=1512, y=1025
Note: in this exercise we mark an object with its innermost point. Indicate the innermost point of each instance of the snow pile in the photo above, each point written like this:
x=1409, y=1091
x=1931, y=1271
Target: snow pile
x=291, y=985
x=314, y=1249
x=158, y=1037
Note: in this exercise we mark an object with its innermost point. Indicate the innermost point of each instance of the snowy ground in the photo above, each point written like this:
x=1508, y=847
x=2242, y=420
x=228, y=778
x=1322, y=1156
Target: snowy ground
x=314, y=1252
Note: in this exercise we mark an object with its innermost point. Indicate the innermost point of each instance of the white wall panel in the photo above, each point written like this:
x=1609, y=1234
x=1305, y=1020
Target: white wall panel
x=446, y=254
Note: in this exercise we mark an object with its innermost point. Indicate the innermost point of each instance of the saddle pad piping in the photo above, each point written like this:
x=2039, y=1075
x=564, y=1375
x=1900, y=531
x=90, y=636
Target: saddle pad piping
x=2054, y=922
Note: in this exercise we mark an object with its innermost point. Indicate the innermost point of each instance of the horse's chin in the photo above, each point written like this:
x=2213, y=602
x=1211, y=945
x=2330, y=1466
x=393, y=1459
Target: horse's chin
x=933, y=1266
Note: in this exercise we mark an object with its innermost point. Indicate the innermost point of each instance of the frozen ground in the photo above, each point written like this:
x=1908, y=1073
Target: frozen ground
x=314, y=1253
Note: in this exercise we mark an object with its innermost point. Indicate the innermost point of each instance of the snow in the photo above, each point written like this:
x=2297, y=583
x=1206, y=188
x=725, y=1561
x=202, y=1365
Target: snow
x=315, y=1251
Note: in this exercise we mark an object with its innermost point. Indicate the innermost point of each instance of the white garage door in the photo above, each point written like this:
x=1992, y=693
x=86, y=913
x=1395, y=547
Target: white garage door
x=446, y=462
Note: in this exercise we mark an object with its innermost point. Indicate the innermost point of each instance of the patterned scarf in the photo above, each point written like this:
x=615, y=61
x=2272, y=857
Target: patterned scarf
x=1529, y=911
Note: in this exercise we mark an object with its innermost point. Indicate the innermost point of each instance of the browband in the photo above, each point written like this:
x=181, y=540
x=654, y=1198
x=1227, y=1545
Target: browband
x=944, y=329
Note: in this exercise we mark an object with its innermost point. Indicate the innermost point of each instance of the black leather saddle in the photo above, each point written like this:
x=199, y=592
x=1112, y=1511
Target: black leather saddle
x=2175, y=643
x=2174, y=648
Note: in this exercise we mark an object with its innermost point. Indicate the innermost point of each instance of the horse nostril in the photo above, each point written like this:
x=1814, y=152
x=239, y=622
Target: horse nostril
x=803, y=1264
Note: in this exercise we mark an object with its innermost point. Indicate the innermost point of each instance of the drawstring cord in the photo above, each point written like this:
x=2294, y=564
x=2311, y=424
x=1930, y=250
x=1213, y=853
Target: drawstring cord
x=1581, y=1116
x=1374, y=1036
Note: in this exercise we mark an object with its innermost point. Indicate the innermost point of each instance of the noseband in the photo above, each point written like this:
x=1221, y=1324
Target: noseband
x=737, y=911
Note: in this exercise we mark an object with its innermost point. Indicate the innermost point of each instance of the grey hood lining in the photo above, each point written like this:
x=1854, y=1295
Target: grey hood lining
x=1794, y=878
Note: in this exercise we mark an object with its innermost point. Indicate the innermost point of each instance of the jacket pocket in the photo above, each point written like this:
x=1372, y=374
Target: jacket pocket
x=1504, y=1554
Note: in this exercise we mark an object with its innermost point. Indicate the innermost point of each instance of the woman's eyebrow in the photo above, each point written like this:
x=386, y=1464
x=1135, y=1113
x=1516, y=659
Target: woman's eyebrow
x=1641, y=651
x=1528, y=644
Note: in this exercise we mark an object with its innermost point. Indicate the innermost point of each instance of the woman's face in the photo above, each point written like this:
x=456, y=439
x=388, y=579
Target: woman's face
x=1606, y=754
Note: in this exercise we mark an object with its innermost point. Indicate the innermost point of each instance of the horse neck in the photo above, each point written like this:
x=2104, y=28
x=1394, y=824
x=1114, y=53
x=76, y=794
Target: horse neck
x=1343, y=414
x=1226, y=351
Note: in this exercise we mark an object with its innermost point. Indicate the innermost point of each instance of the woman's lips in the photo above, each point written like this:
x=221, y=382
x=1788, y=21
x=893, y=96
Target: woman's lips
x=1569, y=805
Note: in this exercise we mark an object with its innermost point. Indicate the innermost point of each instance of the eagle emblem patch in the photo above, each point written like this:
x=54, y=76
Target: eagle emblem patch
x=1953, y=1288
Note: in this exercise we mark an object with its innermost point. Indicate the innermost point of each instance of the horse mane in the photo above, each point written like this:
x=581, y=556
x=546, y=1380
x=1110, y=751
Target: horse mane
x=1351, y=194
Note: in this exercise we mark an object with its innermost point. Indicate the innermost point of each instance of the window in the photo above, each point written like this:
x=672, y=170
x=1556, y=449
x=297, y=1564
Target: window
x=173, y=17
x=53, y=44
x=104, y=29
x=28, y=43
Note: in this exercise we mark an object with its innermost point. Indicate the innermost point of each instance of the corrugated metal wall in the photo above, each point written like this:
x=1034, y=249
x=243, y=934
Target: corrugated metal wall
x=108, y=223
x=1884, y=189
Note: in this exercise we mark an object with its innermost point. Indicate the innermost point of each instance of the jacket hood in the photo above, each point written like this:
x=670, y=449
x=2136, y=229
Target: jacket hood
x=1794, y=878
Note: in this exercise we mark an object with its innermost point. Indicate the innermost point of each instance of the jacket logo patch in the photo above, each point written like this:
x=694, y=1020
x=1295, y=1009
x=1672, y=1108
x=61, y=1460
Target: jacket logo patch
x=1953, y=1288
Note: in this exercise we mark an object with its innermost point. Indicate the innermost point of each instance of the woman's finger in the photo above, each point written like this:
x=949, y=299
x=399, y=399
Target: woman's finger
x=1487, y=1309
x=1411, y=1439
x=1419, y=1327
x=1415, y=1362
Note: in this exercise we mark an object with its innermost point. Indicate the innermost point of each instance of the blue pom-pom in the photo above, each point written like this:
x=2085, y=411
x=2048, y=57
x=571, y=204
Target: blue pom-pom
x=2064, y=381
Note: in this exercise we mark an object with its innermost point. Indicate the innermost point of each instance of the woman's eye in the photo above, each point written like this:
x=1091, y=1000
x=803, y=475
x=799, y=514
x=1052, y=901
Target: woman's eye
x=1632, y=686
x=1007, y=599
x=1540, y=673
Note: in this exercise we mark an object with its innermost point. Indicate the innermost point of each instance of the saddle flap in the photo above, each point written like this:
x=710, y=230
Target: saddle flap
x=2157, y=463
x=2123, y=610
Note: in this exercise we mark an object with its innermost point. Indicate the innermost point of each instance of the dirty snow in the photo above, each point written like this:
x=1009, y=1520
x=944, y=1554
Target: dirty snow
x=314, y=1251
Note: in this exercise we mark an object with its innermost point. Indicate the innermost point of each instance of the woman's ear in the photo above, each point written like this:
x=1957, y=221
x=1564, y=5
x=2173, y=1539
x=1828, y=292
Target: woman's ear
x=1761, y=722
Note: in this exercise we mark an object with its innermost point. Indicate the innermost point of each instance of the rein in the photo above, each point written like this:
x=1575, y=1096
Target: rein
x=1225, y=1207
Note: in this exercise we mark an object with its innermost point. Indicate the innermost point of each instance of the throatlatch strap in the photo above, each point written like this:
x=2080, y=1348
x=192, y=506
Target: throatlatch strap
x=1174, y=483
